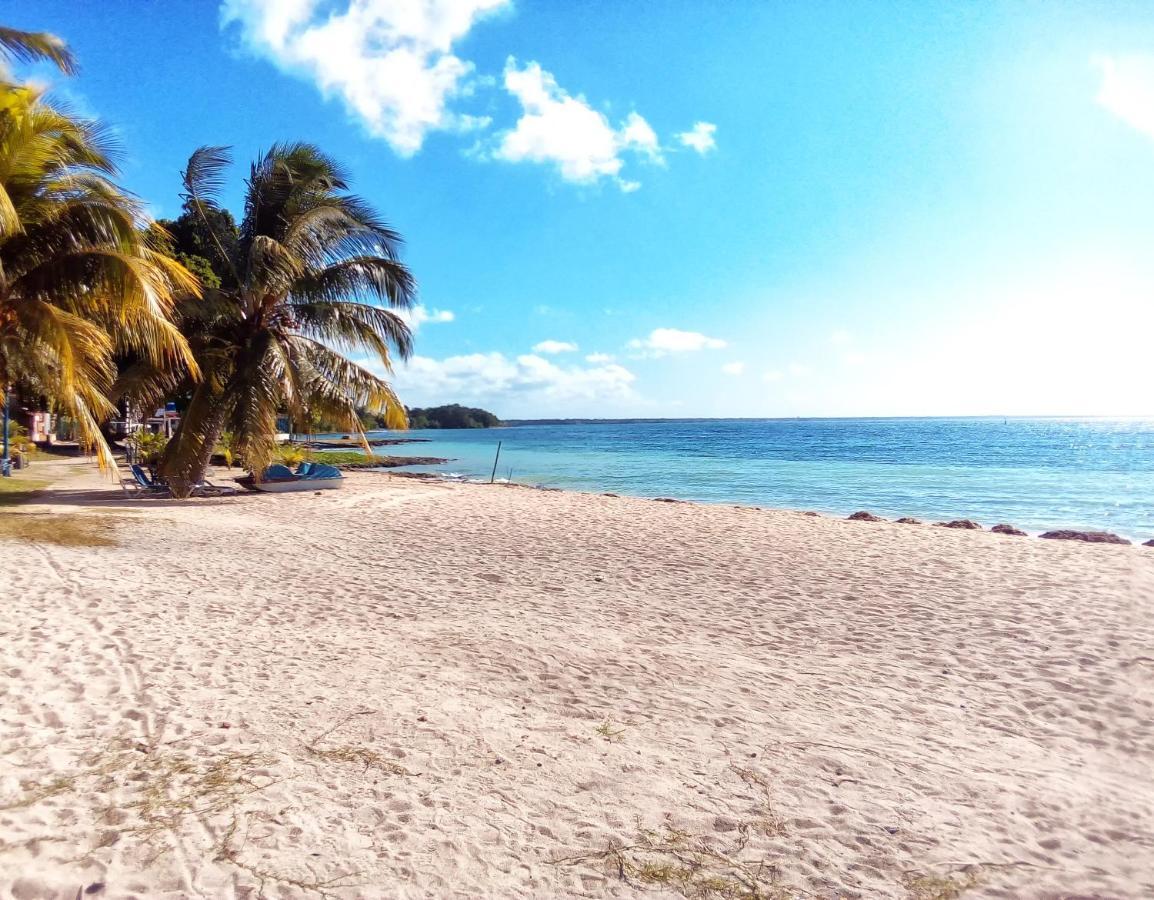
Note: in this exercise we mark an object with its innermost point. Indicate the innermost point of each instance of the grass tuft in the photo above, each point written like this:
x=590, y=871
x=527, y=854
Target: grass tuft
x=362, y=756
x=692, y=865
x=607, y=731
x=61, y=784
x=227, y=850
x=940, y=887
x=768, y=822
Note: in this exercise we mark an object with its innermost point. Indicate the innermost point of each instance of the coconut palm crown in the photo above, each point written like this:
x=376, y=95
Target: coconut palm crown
x=310, y=278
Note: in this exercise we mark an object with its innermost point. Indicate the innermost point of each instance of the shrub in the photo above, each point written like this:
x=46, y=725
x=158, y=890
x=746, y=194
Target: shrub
x=147, y=446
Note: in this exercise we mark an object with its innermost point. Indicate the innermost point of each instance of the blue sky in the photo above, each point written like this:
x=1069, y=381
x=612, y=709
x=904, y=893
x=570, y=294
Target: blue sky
x=696, y=209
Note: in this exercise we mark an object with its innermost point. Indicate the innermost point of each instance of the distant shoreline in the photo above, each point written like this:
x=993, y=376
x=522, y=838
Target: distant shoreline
x=977, y=418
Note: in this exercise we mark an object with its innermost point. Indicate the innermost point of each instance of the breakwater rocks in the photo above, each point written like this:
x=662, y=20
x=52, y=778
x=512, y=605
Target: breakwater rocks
x=394, y=462
x=1090, y=537
x=346, y=442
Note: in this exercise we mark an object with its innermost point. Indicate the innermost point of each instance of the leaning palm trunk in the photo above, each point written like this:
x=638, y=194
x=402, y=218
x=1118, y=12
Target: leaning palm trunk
x=292, y=280
x=189, y=453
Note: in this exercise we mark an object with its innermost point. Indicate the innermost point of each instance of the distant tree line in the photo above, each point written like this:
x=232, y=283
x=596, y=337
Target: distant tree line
x=452, y=416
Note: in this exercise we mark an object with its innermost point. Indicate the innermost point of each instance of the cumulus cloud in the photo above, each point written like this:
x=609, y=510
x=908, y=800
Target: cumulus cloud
x=564, y=131
x=734, y=368
x=488, y=376
x=390, y=61
x=673, y=340
x=420, y=314
x=700, y=137
x=555, y=347
x=598, y=358
x=1127, y=89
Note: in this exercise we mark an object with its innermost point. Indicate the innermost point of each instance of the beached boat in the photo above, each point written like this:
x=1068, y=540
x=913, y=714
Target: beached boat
x=279, y=479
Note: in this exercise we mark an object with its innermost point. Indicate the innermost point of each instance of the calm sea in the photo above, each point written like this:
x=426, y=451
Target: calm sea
x=1037, y=474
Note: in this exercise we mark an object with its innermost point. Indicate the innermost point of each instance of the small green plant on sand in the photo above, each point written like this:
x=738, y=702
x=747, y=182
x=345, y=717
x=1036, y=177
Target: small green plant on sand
x=606, y=730
x=225, y=447
x=291, y=455
x=148, y=447
x=19, y=444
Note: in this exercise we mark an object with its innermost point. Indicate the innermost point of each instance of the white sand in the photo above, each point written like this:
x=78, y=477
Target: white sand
x=836, y=708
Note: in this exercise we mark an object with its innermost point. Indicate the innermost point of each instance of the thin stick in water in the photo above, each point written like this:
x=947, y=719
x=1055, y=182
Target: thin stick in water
x=493, y=477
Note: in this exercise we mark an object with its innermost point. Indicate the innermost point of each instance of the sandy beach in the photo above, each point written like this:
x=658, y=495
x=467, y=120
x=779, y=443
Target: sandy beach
x=411, y=689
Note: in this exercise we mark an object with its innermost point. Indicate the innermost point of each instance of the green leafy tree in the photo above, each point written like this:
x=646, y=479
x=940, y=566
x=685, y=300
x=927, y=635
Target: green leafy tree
x=452, y=416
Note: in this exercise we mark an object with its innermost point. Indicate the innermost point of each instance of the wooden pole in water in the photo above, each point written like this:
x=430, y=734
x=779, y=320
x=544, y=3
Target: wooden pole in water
x=493, y=477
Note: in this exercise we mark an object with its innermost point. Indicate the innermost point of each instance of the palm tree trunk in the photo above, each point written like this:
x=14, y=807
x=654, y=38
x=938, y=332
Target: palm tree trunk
x=188, y=454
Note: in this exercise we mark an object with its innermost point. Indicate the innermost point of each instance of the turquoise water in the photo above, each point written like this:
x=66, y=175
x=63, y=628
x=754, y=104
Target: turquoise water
x=1037, y=474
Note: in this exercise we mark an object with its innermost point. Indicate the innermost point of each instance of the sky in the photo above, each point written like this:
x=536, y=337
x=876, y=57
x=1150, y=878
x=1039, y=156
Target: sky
x=694, y=208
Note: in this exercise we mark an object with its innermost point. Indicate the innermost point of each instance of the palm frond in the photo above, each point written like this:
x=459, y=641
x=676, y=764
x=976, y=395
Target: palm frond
x=355, y=326
x=203, y=176
x=31, y=46
x=385, y=279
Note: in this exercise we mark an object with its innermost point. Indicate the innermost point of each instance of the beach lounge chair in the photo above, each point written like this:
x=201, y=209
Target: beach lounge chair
x=141, y=484
x=206, y=488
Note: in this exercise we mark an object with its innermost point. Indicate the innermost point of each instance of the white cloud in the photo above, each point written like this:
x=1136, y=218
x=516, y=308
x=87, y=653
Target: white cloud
x=390, y=61
x=1127, y=89
x=480, y=376
x=673, y=340
x=700, y=138
x=598, y=358
x=565, y=131
x=734, y=368
x=555, y=347
x=420, y=314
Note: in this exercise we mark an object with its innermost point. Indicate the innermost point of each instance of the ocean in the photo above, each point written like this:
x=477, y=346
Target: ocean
x=1035, y=473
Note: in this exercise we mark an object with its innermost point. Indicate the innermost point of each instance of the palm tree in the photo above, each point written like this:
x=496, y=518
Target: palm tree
x=79, y=282
x=306, y=280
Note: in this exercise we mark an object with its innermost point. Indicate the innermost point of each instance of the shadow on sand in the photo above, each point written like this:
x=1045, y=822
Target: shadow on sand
x=116, y=498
